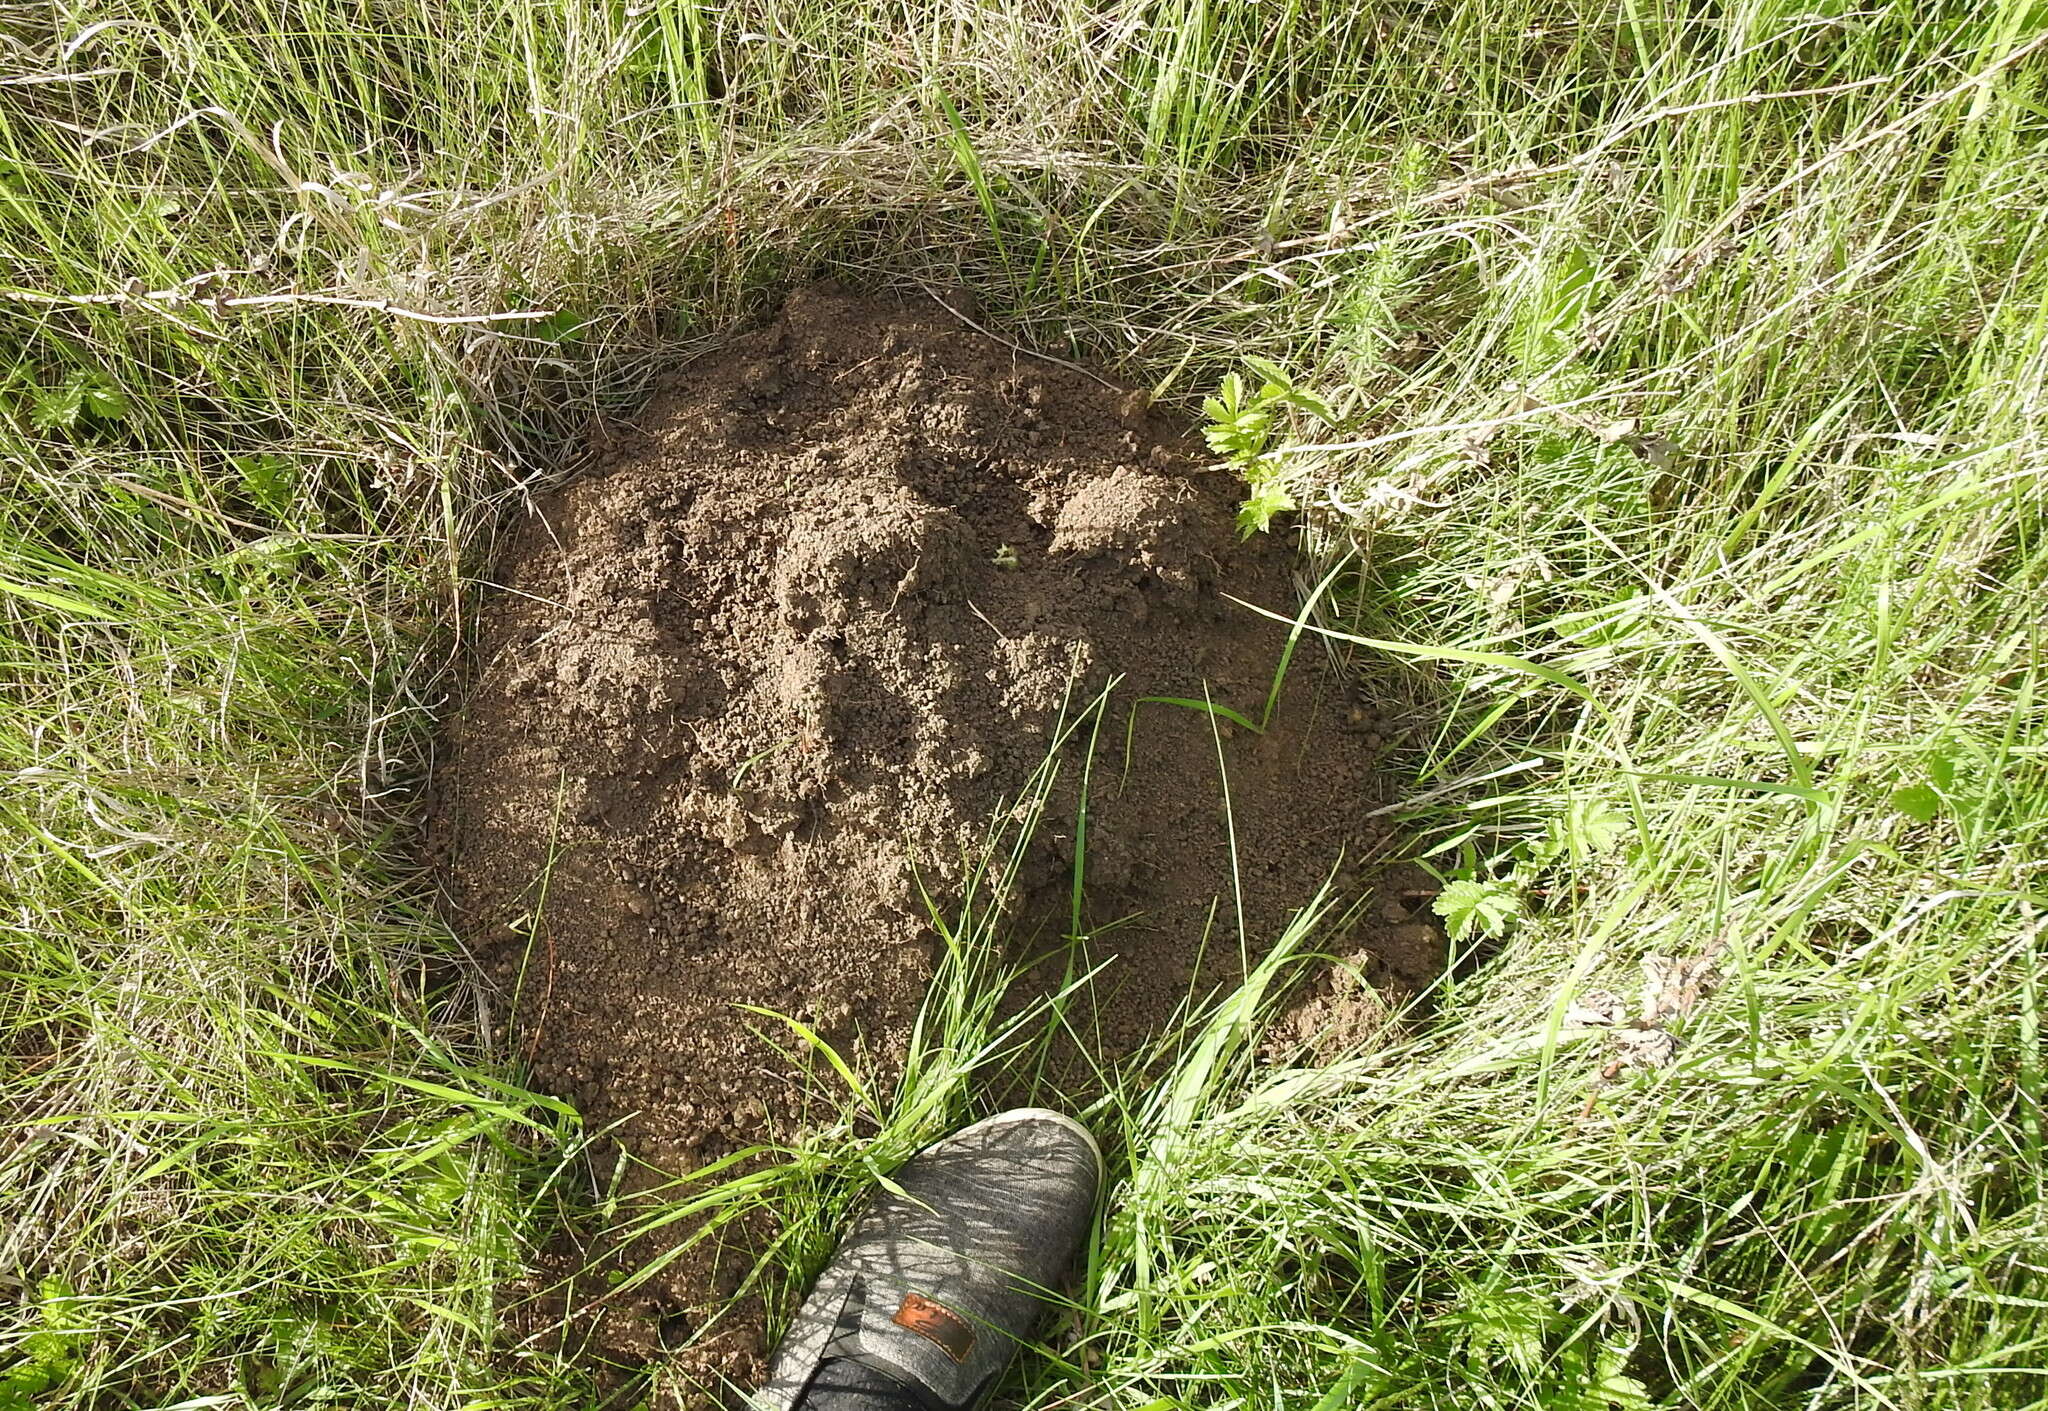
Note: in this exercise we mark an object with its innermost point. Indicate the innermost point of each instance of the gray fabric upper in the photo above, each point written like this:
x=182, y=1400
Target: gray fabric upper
x=986, y=1225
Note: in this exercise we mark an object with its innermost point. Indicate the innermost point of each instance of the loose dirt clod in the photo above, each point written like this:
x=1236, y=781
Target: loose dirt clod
x=771, y=669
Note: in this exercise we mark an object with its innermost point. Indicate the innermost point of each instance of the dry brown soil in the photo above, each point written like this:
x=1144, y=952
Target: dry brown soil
x=767, y=673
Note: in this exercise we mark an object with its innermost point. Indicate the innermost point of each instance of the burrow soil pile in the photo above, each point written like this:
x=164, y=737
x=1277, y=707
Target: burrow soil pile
x=755, y=686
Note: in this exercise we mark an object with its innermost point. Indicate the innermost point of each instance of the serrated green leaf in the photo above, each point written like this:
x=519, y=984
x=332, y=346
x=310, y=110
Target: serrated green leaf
x=268, y=478
x=1469, y=905
x=1240, y=437
x=1312, y=404
x=1276, y=377
x=1255, y=515
x=80, y=395
x=1593, y=827
x=1941, y=771
x=56, y=408
x=100, y=397
x=1917, y=802
x=1539, y=853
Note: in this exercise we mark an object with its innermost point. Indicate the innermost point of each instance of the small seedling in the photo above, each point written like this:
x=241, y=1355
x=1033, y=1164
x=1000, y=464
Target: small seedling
x=1241, y=428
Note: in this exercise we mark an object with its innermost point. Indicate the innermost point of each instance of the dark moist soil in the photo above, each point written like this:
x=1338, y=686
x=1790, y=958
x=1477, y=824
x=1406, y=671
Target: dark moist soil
x=772, y=668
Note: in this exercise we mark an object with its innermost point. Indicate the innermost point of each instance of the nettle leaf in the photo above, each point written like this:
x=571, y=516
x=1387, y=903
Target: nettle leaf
x=1278, y=387
x=1240, y=437
x=102, y=397
x=1237, y=425
x=1941, y=770
x=1917, y=802
x=55, y=408
x=1469, y=905
x=26, y=1381
x=83, y=394
x=1228, y=401
x=1240, y=426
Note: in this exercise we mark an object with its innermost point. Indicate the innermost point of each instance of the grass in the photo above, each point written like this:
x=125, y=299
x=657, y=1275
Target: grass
x=1685, y=374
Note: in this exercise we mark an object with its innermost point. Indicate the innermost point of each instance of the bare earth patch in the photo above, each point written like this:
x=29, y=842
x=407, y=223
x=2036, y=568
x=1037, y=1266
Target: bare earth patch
x=772, y=668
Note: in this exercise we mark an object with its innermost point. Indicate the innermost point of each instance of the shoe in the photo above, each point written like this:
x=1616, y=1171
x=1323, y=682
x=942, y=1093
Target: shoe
x=945, y=1275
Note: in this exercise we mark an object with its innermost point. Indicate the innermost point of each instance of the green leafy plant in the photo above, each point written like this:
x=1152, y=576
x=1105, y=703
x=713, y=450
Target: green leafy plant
x=1468, y=904
x=1509, y=1327
x=1590, y=828
x=1268, y=497
x=1241, y=426
x=1240, y=423
x=1918, y=802
x=86, y=395
x=1475, y=899
x=46, y=1358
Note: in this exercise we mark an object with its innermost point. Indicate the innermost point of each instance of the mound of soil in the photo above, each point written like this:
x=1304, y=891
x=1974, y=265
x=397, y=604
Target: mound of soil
x=765, y=676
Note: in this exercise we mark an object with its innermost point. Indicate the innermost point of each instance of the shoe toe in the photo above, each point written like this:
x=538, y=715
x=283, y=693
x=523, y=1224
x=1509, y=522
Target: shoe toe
x=956, y=1260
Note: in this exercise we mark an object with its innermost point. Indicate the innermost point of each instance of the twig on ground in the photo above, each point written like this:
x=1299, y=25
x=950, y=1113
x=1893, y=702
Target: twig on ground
x=163, y=300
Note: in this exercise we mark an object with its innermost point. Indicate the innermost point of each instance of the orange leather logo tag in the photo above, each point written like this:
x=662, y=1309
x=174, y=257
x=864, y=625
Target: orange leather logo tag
x=936, y=1323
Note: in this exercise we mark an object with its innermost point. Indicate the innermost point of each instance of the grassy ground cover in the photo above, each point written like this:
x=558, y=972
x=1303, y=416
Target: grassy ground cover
x=1684, y=377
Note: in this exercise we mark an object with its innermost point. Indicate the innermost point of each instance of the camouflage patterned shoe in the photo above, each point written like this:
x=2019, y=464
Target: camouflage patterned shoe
x=935, y=1288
